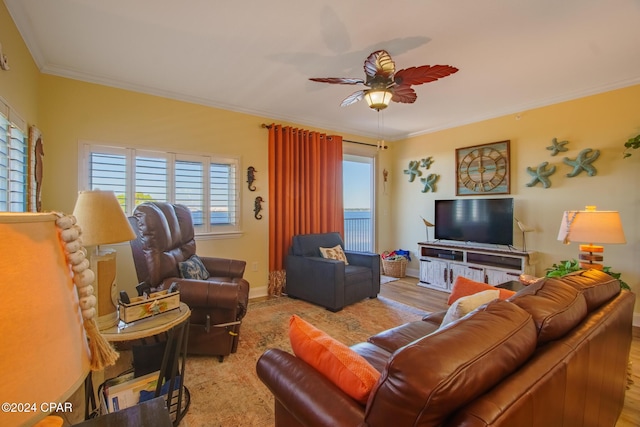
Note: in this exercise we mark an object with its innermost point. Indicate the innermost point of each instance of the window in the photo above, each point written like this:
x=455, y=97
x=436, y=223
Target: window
x=13, y=162
x=359, y=194
x=203, y=183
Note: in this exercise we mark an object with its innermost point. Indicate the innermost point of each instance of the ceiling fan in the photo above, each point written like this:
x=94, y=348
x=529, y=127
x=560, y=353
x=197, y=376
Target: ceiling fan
x=385, y=83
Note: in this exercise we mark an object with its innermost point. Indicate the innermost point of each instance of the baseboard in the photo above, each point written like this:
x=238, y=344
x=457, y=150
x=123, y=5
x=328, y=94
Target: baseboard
x=412, y=272
x=260, y=292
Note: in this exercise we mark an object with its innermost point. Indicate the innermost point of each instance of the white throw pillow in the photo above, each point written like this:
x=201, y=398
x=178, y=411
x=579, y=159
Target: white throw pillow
x=335, y=252
x=466, y=305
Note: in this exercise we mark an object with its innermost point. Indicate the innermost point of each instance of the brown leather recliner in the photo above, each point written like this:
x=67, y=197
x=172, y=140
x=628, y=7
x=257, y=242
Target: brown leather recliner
x=165, y=237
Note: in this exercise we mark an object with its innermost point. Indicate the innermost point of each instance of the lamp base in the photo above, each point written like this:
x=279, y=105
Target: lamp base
x=590, y=260
x=104, y=266
x=107, y=321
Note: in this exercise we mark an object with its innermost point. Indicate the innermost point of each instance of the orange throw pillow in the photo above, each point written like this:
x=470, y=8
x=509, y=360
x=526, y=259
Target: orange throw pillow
x=343, y=366
x=463, y=287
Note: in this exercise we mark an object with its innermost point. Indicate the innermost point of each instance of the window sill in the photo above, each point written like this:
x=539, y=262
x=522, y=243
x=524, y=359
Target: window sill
x=220, y=235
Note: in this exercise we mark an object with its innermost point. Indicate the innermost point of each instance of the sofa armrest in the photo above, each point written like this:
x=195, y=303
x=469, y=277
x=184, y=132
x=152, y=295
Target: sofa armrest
x=306, y=394
x=204, y=294
x=435, y=318
x=222, y=267
x=364, y=259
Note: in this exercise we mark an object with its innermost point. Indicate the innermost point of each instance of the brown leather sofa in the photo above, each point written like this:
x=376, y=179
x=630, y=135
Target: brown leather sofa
x=554, y=354
x=165, y=237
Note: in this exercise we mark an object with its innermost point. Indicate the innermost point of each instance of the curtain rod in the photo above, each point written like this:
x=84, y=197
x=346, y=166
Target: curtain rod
x=383, y=147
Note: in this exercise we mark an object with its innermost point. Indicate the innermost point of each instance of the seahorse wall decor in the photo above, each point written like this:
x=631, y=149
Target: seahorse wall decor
x=257, y=207
x=251, y=177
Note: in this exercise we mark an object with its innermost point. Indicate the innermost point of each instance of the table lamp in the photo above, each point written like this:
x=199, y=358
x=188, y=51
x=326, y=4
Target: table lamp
x=591, y=226
x=45, y=353
x=103, y=222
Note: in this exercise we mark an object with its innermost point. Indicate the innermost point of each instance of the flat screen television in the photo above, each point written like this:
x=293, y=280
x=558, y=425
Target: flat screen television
x=475, y=220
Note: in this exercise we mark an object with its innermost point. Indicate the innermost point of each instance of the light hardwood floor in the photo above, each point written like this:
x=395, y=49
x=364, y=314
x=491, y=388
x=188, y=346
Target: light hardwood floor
x=406, y=291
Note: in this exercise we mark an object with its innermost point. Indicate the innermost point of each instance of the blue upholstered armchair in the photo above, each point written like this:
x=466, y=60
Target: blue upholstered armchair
x=328, y=282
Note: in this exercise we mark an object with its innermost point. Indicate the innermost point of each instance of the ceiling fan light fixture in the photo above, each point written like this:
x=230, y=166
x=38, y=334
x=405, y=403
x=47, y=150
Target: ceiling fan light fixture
x=378, y=99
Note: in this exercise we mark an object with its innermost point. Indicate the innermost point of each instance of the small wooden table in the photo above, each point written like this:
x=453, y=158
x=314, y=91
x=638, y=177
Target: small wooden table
x=148, y=327
x=175, y=323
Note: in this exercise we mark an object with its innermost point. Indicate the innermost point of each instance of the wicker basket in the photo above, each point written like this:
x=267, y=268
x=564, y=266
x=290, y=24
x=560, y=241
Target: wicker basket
x=394, y=268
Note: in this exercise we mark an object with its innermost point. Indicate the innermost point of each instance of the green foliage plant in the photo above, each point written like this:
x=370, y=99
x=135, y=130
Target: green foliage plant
x=631, y=143
x=567, y=267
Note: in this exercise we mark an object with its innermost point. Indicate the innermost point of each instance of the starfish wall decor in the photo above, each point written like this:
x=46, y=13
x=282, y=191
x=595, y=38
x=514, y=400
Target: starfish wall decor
x=429, y=182
x=583, y=162
x=541, y=175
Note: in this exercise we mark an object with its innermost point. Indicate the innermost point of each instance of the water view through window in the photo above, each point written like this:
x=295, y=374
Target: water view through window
x=358, y=221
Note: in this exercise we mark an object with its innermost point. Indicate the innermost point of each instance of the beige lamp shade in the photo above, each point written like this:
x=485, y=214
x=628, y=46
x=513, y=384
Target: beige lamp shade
x=101, y=218
x=591, y=226
x=45, y=355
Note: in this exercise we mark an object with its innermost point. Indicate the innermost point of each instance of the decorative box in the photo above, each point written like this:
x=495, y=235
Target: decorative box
x=140, y=308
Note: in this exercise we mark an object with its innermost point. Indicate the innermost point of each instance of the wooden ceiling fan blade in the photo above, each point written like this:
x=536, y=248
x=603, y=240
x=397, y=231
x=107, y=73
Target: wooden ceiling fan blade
x=379, y=63
x=353, y=98
x=337, y=80
x=423, y=74
x=404, y=94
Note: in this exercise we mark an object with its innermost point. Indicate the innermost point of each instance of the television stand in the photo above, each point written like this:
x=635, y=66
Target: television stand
x=441, y=263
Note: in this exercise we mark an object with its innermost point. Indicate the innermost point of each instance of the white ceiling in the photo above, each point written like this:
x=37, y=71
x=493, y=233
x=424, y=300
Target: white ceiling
x=256, y=56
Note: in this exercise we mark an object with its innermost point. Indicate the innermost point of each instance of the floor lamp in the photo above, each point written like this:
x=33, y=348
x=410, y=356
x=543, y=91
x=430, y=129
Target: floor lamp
x=103, y=222
x=591, y=226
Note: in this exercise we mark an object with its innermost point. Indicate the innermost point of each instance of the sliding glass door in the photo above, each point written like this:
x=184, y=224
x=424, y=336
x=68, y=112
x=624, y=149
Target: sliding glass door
x=358, y=174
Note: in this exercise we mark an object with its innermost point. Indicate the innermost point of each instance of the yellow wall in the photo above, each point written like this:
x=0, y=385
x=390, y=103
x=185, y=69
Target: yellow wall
x=19, y=85
x=602, y=122
x=78, y=112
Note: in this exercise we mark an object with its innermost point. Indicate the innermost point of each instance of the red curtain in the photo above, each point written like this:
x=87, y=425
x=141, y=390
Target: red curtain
x=305, y=191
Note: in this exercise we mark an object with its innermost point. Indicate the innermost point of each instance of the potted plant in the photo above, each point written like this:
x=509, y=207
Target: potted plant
x=631, y=143
x=566, y=267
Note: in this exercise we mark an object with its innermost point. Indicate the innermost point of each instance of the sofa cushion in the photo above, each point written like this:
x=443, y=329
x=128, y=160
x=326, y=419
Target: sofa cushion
x=466, y=305
x=463, y=287
x=556, y=307
x=597, y=286
x=343, y=366
x=193, y=268
x=430, y=378
x=335, y=252
x=394, y=338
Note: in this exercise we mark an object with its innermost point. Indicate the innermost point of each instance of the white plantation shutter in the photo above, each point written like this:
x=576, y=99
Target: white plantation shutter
x=205, y=184
x=223, y=200
x=108, y=172
x=13, y=161
x=4, y=163
x=17, y=170
x=151, y=179
x=189, y=183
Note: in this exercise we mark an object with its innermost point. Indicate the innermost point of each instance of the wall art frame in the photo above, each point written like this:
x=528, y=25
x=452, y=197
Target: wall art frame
x=483, y=169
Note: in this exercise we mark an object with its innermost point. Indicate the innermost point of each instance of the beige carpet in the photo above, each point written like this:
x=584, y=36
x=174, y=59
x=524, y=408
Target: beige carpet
x=230, y=394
